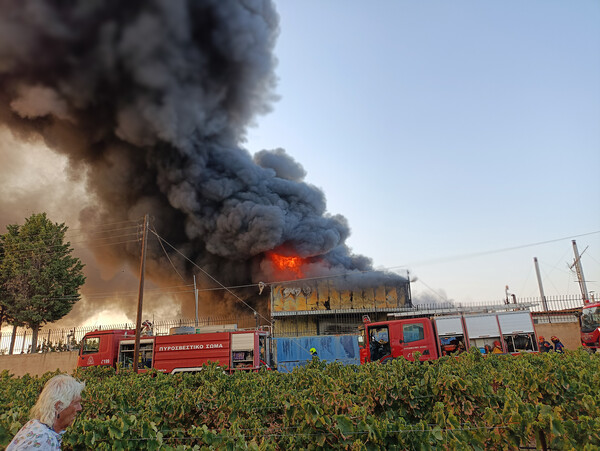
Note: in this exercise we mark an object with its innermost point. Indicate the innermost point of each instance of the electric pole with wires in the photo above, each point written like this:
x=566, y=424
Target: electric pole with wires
x=138, y=326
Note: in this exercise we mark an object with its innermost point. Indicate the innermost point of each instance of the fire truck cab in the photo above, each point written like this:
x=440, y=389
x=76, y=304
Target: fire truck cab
x=590, y=326
x=386, y=340
x=100, y=347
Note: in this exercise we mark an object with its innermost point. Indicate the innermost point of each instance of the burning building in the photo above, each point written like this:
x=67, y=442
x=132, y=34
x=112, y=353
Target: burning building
x=332, y=305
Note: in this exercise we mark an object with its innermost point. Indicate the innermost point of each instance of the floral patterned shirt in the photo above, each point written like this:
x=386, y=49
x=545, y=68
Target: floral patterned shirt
x=35, y=435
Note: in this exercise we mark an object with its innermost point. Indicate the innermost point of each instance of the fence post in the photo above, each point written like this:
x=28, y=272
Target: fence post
x=13, y=338
x=24, y=337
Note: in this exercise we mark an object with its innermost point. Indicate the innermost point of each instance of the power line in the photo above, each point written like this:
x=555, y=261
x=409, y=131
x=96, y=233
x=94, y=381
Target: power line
x=165, y=251
x=212, y=278
x=67, y=231
x=16, y=248
x=354, y=272
x=493, y=251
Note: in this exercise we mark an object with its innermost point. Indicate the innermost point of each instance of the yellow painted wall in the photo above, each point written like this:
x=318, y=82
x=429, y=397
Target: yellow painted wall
x=326, y=296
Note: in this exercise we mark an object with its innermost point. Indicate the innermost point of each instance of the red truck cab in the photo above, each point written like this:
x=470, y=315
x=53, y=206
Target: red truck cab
x=590, y=326
x=385, y=340
x=100, y=347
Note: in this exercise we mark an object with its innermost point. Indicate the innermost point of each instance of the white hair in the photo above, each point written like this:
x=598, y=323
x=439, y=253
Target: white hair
x=61, y=389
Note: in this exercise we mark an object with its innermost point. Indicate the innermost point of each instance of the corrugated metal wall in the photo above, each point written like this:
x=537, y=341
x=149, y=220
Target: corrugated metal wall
x=326, y=296
x=300, y=324
x=294, y=351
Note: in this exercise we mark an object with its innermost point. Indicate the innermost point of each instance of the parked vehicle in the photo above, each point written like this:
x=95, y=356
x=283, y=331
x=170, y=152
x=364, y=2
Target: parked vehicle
x=590, y=326
x=188, y=349
x=435, y=336
x=183, y=350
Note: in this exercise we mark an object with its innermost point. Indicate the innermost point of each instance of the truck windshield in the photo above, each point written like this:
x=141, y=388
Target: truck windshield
x=90, y=345
x=590, y=319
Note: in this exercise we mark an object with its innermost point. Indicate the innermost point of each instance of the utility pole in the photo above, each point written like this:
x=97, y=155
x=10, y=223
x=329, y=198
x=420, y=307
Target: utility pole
x=138, y=328
x=196, y=298
x=539, y=278
x=580, y=277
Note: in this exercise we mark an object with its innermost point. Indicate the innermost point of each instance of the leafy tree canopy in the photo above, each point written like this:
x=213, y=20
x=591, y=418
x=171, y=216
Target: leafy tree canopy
x=39, y=278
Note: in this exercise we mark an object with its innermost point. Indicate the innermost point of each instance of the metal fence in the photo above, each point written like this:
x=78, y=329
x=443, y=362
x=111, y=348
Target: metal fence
x=68, y=339
x=554, y=309
x=319, y=322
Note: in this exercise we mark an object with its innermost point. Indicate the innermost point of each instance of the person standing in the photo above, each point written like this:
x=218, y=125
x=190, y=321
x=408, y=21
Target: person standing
x=497, y=349
x=558, y=346
x=544, y=345
x=55, y=410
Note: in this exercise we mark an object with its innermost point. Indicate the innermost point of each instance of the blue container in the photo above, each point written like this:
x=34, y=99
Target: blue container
x=294, y=351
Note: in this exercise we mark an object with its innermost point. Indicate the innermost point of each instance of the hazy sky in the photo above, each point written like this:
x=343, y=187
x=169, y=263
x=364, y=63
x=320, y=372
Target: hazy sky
x=442, y=129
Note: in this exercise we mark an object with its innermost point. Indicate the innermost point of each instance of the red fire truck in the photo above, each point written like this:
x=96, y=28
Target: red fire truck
x=183, y=350
x=436, y=336
x=590, y=326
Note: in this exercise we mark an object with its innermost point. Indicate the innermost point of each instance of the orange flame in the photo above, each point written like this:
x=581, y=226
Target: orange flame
x=284, y=263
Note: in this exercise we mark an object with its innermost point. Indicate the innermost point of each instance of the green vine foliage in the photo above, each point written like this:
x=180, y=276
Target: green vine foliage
x=497, y=402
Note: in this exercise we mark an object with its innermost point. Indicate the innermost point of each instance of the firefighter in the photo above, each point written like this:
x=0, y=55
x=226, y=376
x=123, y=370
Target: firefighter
x=497, y=348
x=558, y=346
x=544, y=345
x=374, y=348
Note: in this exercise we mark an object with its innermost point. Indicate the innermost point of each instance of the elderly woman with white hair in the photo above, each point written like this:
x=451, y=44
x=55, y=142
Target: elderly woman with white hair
x=55, y=410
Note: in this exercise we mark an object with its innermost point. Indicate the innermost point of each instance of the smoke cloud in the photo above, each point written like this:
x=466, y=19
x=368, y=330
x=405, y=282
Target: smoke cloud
x=150, y=99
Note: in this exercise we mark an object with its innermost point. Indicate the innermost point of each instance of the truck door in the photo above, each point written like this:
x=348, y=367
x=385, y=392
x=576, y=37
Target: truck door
x=518, y=331
x=483, y=330
x=95, y=351
x=416, y=335
x=379, y=343
x=243, y=346
x=145, y=354
x=451, y=335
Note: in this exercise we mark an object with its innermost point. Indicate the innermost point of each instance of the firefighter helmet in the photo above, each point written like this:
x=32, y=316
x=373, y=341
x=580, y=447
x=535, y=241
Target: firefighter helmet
x=554, y=338
x=540, y=338
x=313, y=351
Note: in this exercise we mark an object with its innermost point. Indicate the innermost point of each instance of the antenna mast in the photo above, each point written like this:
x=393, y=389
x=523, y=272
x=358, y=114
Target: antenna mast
x=539, y=279
x=580, y=277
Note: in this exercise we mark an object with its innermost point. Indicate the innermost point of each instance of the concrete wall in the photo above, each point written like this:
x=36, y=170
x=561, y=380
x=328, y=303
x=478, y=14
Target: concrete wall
x=38, y=364
x=567, y=333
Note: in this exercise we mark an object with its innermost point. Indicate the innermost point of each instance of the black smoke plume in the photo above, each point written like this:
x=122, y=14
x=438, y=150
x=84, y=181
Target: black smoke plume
x=151, y=99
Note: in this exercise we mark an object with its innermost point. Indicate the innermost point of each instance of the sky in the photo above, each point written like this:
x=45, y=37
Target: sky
x=460, y=140
x=454, y=136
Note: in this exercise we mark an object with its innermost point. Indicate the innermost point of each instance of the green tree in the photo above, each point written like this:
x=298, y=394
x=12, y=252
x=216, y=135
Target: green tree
x=39, y=278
